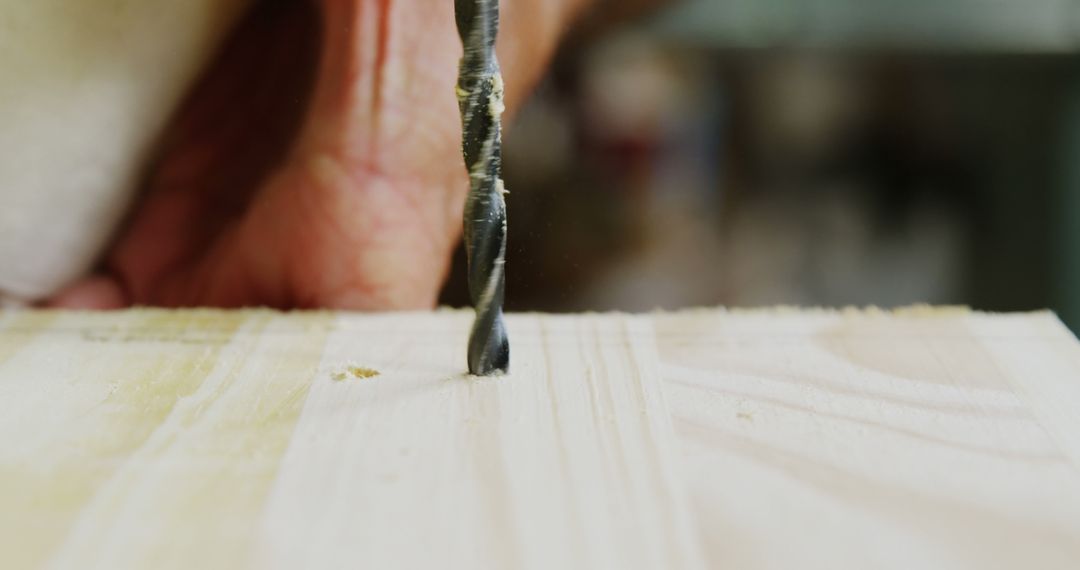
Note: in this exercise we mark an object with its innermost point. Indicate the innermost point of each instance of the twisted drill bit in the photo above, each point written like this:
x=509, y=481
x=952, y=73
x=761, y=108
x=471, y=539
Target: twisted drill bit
x=480, y=99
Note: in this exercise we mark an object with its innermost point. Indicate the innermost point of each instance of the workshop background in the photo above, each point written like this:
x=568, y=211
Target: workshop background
x=803, y=152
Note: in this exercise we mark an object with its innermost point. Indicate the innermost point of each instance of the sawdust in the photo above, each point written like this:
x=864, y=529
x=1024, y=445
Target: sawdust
x=360, y=372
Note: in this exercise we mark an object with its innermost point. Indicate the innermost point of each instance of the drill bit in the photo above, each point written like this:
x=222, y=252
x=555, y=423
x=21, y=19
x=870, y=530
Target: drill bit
x=480, y=99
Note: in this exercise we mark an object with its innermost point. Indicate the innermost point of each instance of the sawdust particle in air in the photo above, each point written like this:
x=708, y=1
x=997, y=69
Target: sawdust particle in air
x=354, y=372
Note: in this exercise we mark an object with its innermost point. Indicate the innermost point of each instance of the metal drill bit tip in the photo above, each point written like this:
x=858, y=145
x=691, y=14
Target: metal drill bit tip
x=480, y=99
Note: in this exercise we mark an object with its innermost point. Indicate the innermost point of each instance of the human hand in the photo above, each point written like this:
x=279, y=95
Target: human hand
x=317, y=164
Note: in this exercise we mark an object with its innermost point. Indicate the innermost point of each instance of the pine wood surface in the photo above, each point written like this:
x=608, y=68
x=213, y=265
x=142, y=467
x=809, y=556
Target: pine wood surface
x=699, y=439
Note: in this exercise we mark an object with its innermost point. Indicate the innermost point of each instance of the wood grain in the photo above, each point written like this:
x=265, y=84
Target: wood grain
x=146, y=440
x=925, y=439
x=547, y=468
x=771, y=439
x=227, y=440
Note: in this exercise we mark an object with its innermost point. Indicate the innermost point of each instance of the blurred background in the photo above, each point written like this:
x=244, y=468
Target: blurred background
x=809, y=152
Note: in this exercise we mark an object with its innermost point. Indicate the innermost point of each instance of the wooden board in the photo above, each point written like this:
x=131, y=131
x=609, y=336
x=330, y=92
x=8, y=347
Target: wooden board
x=779, y=439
